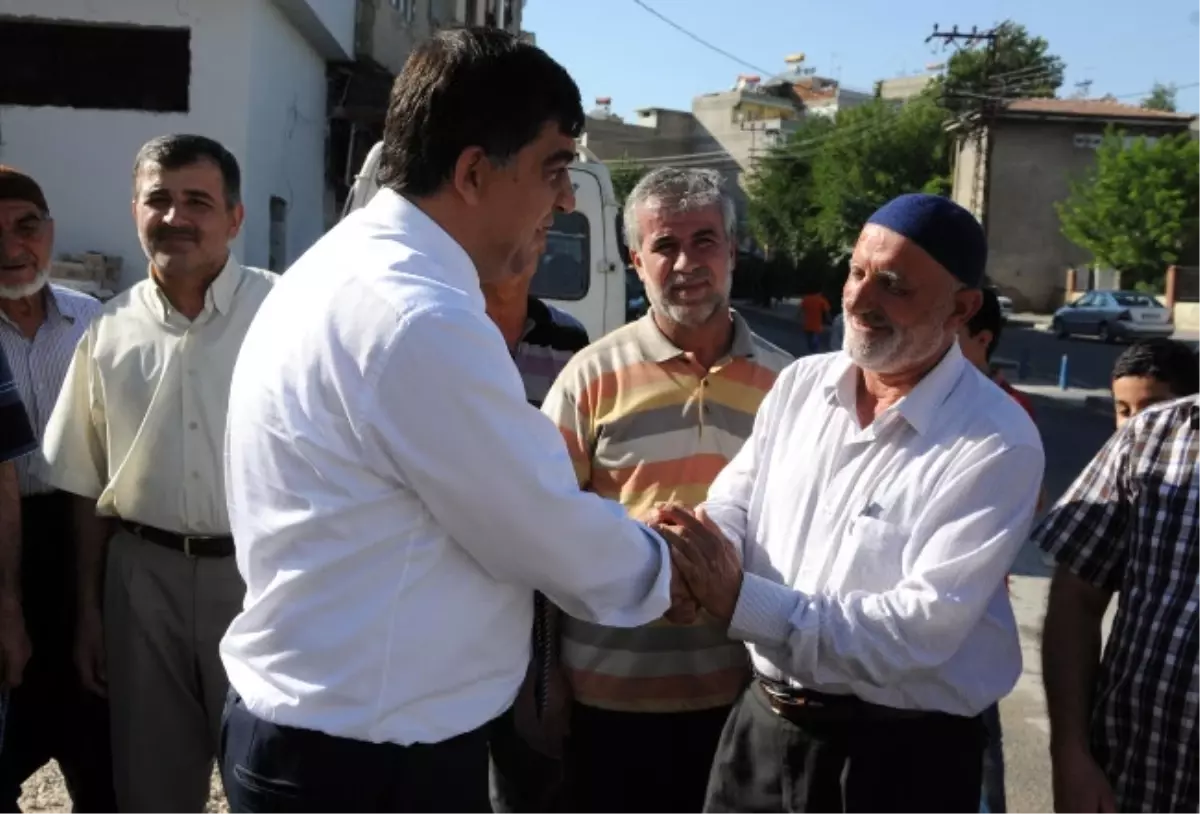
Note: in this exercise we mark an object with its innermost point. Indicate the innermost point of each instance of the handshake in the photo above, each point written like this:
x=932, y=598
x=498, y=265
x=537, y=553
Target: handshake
x=706, y=572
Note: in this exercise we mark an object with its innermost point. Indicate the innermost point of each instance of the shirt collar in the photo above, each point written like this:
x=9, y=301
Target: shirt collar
x=59, y=311
x=537, y=315
x=656, y=347
x=422, y=235
x=218, y=297
x=919, y=407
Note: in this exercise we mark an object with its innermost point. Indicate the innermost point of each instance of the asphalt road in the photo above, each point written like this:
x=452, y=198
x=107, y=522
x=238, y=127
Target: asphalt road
x=1089, y=361
x=1071, y=435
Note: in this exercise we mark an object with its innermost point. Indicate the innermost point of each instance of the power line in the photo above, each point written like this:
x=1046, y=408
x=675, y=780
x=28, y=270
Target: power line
x=697, y=38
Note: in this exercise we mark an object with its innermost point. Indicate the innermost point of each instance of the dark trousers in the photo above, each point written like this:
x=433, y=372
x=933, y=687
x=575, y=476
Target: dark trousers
x=269, y=767
x=850, y=757
x=640, y=761
x=51, y=715
x=994, y=799
x=522, y=780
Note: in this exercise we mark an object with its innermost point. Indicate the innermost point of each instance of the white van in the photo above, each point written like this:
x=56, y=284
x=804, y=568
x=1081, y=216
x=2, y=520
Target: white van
x=581, y=271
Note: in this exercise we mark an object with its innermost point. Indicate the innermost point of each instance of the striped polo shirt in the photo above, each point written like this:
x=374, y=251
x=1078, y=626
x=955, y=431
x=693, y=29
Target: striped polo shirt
x=550, y=339
x=645, y=424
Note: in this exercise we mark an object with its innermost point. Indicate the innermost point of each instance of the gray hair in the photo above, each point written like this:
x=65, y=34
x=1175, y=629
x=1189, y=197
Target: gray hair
x=678, y=189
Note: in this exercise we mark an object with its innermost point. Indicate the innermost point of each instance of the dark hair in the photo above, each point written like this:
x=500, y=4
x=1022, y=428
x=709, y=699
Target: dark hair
x=470, y=87
x=988, y=318
x=1163, y=359
x=180, y=150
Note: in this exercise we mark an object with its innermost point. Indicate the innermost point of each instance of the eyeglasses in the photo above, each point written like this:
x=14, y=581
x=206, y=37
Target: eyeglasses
x=27, y=228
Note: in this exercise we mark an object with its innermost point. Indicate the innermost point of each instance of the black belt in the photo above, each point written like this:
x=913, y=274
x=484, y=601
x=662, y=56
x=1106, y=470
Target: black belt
x=192, y=545
x=796, y=702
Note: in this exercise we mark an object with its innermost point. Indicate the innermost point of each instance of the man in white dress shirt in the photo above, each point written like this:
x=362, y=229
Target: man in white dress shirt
x=866, y=571
x=395, y=500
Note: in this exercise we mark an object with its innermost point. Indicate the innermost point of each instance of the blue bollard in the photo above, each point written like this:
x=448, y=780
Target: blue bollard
x=1062, y=373
x=1023, y=366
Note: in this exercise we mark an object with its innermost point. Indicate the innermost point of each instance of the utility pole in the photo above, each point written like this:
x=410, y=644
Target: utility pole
x=979, y=116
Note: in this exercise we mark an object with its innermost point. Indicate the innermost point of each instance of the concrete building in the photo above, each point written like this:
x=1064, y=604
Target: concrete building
x=86, y=84
x=387, y=30
x=725, y=130
x=822, y=96
x=385, y=33
x=1037, y=147
x=903, y=88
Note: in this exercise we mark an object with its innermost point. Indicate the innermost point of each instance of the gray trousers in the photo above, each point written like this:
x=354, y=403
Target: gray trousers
x=164, y=616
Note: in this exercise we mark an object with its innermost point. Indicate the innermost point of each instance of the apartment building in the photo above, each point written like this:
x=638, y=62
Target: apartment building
x=386, y=31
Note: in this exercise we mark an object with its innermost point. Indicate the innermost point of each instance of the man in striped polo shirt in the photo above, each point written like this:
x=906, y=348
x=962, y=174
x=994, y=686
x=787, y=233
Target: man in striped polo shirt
x=525, y=770
x=651, y=413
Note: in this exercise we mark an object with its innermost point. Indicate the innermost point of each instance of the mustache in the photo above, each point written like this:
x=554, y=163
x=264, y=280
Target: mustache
x=172, y=232
x=19, y=260
x=702, y=275
x=874, y=319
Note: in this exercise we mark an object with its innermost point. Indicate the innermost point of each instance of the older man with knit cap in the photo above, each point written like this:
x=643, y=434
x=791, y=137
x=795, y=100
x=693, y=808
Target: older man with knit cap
x=51, y=716
x=868, y=524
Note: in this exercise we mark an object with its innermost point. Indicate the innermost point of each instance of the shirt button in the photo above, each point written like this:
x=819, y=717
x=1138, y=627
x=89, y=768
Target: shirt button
x=195, y=475
x=193, y=425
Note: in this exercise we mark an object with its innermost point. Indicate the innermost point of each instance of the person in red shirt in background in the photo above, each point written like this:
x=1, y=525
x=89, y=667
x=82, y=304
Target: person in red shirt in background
x=978, y=340
x=814, y=311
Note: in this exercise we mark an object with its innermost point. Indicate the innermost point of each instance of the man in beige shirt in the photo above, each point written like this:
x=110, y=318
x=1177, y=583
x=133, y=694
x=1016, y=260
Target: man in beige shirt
x=138, y=435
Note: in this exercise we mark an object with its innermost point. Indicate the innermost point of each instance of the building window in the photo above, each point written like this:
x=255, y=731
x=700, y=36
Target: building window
x=565, y=270
x=100, y=67
x=277, y=236
x=407, y=9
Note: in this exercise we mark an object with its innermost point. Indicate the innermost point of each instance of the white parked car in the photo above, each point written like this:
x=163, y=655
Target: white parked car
x=1113, y=315
x=581, y=271
x=1006, y=307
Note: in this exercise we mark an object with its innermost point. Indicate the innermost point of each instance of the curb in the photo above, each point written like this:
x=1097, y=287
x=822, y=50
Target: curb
x=1100, y=404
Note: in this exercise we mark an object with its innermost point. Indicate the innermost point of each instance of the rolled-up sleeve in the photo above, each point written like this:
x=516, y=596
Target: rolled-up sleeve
x=16, y=435
x=1086, y=529
x=976, y=522
x=495, y=474
x=74, y=454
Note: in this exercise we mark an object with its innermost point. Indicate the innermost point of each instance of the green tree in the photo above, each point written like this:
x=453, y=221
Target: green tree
x=876, y=152
x=1023, y=67
x=1162, y=97
x=779, y=192
x=1136, y=209
x=625, y=172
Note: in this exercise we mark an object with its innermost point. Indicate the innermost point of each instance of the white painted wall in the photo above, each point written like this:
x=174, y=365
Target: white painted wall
x=285, y=141
x=257, y=86
x=328, y=25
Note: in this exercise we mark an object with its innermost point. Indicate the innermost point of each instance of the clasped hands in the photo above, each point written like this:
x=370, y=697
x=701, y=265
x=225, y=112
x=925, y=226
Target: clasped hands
x=706, y=572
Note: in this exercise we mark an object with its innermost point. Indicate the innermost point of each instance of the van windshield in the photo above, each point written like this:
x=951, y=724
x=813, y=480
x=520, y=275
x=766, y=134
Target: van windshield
x=564, y=271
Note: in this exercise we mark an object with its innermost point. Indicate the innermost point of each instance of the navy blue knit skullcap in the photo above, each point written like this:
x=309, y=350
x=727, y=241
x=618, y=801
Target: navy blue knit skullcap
x=947, y=232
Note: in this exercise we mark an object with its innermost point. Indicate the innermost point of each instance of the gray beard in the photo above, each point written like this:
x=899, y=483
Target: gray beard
x=20, y=292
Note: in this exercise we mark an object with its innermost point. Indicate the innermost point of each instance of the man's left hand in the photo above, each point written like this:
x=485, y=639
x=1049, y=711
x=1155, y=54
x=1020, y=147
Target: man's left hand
x=706, y=559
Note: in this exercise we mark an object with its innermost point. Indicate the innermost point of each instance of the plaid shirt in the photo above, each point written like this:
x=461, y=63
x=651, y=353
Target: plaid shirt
x=1129, y=525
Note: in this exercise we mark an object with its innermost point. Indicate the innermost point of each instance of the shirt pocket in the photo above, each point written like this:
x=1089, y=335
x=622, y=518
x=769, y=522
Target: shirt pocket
x=876, y=561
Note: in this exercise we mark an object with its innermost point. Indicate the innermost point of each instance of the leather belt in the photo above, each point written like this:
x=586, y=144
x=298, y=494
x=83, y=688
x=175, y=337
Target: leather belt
x=191, y=545
x=794, y=702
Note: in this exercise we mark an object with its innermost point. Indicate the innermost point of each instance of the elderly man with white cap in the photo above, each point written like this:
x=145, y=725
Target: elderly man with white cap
x=868, y=524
